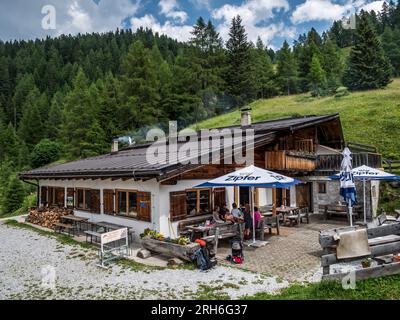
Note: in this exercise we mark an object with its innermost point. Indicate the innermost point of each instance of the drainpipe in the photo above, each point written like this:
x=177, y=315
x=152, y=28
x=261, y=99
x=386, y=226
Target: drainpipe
x=37, y=189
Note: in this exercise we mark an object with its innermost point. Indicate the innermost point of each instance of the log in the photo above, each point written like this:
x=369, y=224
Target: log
x=170, y=249
x=367, y=273
x=174, y=262
x=47, y=217
x=376, y=251
x=144, y=254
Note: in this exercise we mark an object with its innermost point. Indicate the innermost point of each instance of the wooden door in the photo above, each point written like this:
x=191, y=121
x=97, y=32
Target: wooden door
x=303, y=195
x=144, y=206
x=108, y=199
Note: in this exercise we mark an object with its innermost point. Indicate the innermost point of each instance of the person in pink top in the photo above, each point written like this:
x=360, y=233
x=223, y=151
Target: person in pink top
x=257, y=216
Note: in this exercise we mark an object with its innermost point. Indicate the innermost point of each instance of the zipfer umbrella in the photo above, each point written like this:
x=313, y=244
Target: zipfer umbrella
x=365, y=173
x=252, y=177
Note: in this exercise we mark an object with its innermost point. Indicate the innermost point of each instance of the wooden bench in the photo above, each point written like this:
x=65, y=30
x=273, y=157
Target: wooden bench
x=225, y=231
x=335, y=209
x=92, y=235
x=62, y=227
x=383, y=240
x=267, y=223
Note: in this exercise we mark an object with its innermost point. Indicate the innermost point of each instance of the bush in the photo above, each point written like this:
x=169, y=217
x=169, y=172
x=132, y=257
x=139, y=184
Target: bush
x=45, y=152
x=341, y=92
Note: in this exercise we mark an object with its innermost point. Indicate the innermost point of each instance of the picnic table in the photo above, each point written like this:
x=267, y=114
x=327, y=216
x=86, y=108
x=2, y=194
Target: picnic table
x=286, y=212
x=73, y=222
x=107, y=227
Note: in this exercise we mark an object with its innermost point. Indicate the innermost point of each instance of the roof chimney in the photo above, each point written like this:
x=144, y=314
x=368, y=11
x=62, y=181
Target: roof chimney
x=114, y=146
x=246, y=117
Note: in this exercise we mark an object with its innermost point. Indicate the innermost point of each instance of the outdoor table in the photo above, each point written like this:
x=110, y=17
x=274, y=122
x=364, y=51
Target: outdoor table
x=285, y=211
x=267, y=214
x=204, y=230
x=76, y=221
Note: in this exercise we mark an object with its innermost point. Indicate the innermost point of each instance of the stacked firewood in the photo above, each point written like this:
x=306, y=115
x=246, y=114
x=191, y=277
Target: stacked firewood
x=46, y=217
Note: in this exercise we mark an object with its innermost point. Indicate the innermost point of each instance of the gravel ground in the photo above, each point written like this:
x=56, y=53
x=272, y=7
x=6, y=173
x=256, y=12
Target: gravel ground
x=28, y=262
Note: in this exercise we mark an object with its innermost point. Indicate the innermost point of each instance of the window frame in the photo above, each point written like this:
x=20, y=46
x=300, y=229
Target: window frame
x=127, y=192
x=84, y=208
x=198, y=192
x=322, y=189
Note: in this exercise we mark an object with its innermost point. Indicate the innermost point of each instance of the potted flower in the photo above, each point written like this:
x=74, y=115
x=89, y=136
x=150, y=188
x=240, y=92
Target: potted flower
x=366, y=263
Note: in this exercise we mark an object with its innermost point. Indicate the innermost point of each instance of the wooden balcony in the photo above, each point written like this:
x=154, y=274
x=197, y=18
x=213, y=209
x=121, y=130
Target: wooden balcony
x=289, y=160
x=308, y=162
x=332, y=162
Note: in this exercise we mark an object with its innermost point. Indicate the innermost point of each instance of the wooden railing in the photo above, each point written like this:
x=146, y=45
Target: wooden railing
x=333, y=161
x=290, y=160
x=286, y=160
x=391, y=165
x=306, y=145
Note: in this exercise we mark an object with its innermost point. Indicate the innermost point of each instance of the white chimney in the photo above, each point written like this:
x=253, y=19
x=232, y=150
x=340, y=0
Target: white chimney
x=114, y=146
x=246, y=118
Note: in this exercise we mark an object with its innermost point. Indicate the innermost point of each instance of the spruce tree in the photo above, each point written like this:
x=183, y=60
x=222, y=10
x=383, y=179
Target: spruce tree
x=332, y=63
x=316, y=77
x=238, y=78
x=286, y=70
x=368, y=67
x=391, y=46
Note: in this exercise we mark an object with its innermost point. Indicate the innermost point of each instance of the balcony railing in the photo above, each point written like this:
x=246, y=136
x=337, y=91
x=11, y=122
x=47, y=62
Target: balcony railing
x=288, y=160
x=303, y=161
x=332, y=162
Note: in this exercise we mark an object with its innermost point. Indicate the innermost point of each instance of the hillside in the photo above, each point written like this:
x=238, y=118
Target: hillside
x=371, y=117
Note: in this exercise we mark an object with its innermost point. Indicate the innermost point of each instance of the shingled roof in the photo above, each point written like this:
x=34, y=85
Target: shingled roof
x=131, y=162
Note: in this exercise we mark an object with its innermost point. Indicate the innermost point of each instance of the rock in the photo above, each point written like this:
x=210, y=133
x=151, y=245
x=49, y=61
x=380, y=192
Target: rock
x=143, y=254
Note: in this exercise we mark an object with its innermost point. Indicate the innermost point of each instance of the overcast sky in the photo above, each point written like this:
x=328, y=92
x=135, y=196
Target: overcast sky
x=272, y=20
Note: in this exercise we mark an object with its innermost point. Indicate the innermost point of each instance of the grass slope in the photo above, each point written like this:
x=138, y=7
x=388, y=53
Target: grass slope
x=370, y=117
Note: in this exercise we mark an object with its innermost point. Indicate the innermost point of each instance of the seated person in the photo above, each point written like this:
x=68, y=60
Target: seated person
x=229, y=217
x=223, y=211
x=237, y=214
x=257, y=216
x=216, y=216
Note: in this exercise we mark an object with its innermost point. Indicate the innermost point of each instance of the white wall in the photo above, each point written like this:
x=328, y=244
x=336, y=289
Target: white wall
x=151, y=186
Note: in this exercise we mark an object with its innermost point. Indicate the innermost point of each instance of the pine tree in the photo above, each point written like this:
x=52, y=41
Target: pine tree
x=141, y=85
x=391, y=46
x=316, y=77
x=30, y=128
x=332, y=64
x=238, y=78
x=13, y=195
x=368, y=67
x=286, y=70
x=263, y=71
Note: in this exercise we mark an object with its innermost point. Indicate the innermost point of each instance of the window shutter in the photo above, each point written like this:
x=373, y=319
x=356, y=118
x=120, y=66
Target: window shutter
x=144, y=206
x=95, y=201
x=219, y=196
x=60, y=197
x=177, y=205
x=108, y=198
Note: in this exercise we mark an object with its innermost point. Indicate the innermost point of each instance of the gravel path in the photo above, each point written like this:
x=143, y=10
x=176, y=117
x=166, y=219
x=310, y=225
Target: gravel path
x=27, y=259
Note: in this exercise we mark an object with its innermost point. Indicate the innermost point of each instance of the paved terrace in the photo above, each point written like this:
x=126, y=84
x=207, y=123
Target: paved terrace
x=293, y=255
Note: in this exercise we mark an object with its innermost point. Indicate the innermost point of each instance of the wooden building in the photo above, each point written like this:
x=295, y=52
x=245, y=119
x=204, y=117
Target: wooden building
x=122, y=187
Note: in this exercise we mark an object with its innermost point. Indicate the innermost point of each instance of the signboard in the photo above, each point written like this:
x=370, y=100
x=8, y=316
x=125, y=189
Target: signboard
x=114, y=235
x=70, y=201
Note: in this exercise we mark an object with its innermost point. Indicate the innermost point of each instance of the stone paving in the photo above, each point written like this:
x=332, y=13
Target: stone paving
x=294, y=255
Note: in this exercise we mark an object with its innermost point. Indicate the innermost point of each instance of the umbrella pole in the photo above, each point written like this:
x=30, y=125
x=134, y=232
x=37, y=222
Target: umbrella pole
x=252, y=213
x=365, y=208
x=350, y=213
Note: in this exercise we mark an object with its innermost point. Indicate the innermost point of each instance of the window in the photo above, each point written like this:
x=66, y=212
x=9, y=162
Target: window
x=70, y=198
x=321, y=187
x=56, y=197
x=134, y=204
x=88, y=200
x=190, y=203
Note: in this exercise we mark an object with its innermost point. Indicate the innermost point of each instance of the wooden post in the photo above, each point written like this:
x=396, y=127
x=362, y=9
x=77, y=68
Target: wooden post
x=236, y=195
x=274, y=201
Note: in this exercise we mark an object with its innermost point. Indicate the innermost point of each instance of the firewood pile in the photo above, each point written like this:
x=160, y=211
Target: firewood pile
x=47, y=217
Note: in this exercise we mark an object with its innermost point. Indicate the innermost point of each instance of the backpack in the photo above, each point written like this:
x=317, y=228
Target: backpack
x=202, y=259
